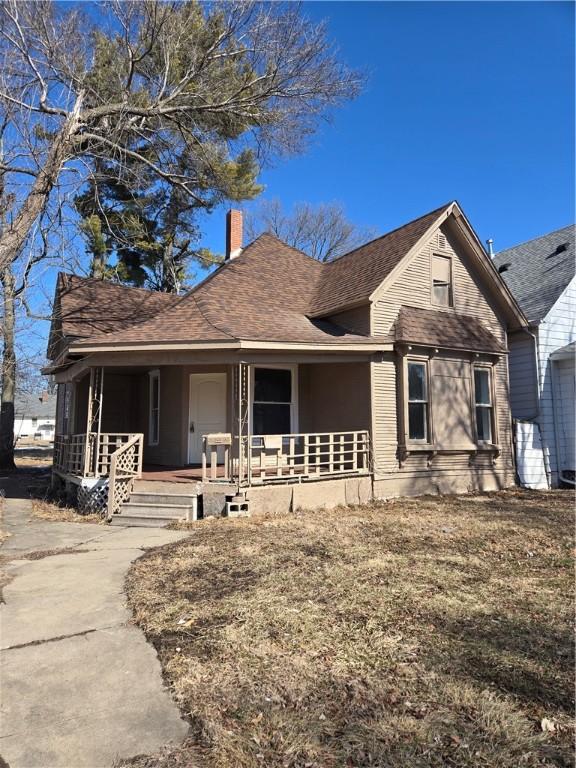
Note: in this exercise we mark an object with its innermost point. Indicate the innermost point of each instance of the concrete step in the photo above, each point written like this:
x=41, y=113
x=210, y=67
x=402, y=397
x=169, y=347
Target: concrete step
x=145, y=521
x=186, y=487
x=170, y=511
x=162, y=499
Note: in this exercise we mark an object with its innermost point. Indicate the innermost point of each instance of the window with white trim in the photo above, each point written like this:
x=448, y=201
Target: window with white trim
x=483, y=403
x=154, y=407
x=273, y=403
x=418, y=401
x=442, y=281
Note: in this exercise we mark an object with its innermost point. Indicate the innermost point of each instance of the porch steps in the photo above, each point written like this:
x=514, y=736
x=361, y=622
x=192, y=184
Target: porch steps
x=157, y=510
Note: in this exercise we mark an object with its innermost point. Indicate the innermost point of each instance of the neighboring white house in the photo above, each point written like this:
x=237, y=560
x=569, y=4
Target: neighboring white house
x=35, y=416
x=541, y=276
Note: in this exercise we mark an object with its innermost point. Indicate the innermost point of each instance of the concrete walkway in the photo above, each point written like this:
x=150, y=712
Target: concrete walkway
x=80, y=686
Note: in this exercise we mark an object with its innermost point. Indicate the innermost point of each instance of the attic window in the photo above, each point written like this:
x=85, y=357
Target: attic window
x=504, y=267
x=442, y=281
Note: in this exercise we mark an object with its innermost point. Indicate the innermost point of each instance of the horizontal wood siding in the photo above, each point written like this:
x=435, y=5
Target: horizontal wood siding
x=556, y=330
x=356, y=320
x=412, y=288
x=384, y=415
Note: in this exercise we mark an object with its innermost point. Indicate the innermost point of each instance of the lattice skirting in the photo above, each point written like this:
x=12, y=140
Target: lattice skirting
x=93, y=500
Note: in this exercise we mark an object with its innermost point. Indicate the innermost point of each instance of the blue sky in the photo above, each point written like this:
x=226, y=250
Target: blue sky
x=468, y=101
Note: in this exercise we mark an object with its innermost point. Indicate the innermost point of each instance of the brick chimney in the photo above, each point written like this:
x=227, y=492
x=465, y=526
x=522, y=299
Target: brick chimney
x=233, y=234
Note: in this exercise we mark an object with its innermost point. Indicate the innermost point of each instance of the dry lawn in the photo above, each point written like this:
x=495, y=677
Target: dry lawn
x=421, y=633
x=55, y=512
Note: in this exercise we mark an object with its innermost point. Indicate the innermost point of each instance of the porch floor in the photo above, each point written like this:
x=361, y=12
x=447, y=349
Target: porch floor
x=190, y=473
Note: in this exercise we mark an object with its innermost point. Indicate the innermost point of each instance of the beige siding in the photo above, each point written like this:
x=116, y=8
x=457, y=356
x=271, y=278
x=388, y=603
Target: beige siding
x=384, y=415
x=334, y=397
x=412, y=288
x=357, y=319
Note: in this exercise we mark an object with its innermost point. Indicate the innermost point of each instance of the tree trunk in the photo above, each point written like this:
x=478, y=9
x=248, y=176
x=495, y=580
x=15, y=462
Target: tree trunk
x=8, y=373
x=14, y=236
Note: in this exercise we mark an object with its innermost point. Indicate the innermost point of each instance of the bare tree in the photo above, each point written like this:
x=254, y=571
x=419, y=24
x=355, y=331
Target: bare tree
x=322, y=231
x=182, y=95
x=196, y=95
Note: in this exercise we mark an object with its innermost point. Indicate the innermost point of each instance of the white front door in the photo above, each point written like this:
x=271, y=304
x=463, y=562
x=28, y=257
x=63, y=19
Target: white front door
x=207, y=412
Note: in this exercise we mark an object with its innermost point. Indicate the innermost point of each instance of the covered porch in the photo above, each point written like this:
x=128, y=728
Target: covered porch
x=250, y=423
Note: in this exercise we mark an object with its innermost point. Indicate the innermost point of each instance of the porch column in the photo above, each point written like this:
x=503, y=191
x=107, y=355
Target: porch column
x=242, y=398
x=93, y=422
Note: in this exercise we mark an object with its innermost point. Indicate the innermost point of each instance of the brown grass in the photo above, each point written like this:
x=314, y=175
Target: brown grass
x=419, y=633
x=49, y=510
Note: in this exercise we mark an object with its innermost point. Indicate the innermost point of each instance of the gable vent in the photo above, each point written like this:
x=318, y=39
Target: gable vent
x=441, y=241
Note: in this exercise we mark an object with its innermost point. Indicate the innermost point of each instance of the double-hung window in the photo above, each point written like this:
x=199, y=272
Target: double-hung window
x=273, y=401
x=484, y=405
x=418, y=401
x=154, y=408
x=442, y=281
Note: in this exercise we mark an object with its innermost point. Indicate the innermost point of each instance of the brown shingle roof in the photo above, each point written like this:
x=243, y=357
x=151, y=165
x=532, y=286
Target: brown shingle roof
x=271, y=292
x=444, y=329
x=262, y=295
x=354, y=277
x=89, y=306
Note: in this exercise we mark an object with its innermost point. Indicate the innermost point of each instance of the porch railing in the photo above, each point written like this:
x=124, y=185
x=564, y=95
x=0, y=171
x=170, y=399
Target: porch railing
x=274, y=458
x=77, y=454
x=125, y=467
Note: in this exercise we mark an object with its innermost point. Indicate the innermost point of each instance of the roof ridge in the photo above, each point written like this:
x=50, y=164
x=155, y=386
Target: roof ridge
x=227, y=263
x=291, y=247
x=533, y=239
x=390, y=232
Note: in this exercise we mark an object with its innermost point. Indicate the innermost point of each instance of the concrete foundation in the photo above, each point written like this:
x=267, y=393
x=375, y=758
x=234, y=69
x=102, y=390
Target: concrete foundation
x=441, y=483
x=326, y=494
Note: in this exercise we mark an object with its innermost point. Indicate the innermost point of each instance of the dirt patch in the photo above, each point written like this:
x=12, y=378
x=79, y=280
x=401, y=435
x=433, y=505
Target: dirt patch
x=423, y=632
x=40, y=554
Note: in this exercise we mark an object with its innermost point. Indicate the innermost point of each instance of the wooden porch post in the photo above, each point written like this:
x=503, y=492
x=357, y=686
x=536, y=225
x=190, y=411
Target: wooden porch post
x=243, y=422
x=86, y=470
x=93, y=422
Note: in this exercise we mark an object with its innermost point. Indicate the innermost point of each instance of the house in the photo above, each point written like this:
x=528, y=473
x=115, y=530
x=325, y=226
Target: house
x=541, y=276
x=34, y=416
x=280, y=382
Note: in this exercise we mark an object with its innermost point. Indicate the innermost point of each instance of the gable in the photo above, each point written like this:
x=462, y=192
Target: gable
x=412, y=287
x=351, y=279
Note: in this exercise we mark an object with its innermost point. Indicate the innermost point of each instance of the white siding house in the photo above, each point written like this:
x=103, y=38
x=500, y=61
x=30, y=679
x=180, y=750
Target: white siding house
x=33, y=414
x=540, y=274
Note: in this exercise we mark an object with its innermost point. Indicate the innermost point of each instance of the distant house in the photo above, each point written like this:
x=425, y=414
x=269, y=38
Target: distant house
x=541, y=276
x=35, y=416
x=296, y=383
